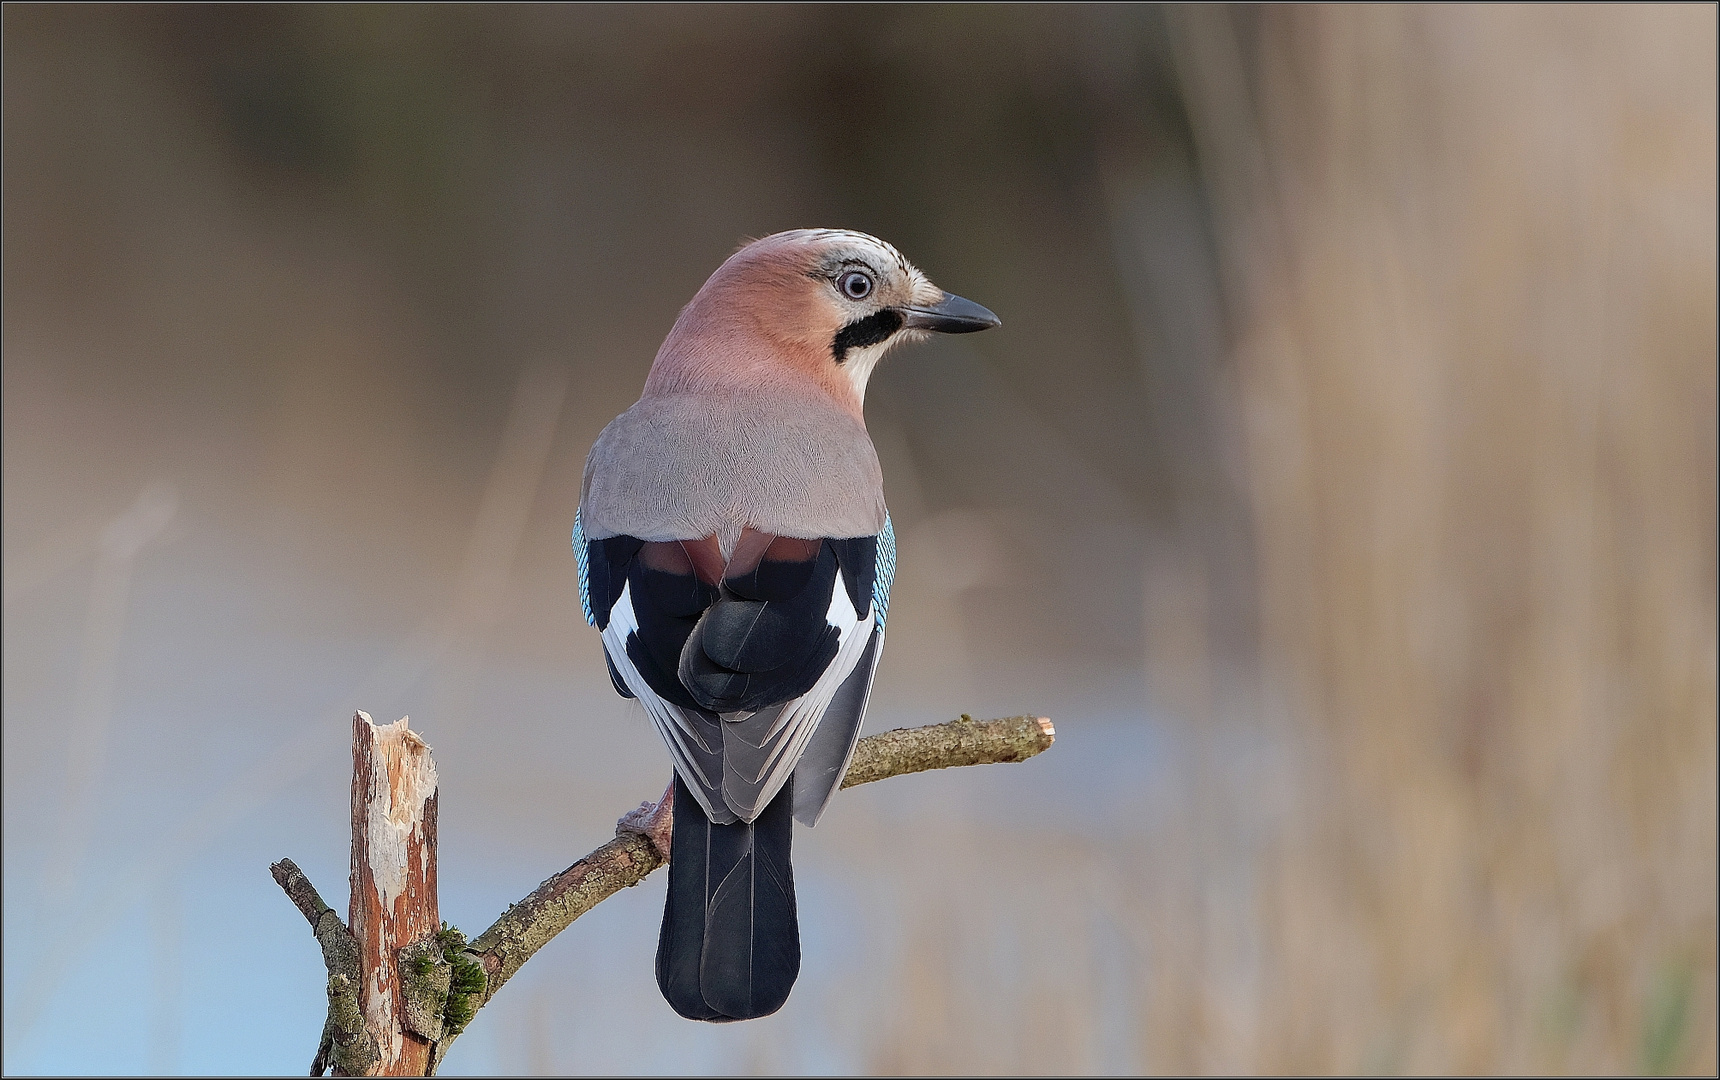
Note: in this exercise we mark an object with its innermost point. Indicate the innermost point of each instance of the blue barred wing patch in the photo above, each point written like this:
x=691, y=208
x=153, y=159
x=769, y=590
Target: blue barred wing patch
x=582, y=555
x=886, y=570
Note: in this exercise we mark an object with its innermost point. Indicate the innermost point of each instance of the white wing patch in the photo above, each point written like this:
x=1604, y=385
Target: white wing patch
x=741, y=792
x=681, y=733
x=748, y=791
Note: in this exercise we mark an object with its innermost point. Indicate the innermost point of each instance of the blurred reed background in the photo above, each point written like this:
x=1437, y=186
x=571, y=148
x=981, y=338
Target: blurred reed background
x=1342, y=482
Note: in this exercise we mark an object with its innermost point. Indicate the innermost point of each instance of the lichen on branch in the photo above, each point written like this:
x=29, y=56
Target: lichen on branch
x=945, y=746
x=345, y=1045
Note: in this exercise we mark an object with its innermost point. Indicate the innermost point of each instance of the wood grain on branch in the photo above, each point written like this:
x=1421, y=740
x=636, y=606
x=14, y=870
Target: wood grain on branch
x=393, y=885
x=527, y=926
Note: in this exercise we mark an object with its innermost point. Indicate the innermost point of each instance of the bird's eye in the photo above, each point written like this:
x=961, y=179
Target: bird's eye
x=855, y=285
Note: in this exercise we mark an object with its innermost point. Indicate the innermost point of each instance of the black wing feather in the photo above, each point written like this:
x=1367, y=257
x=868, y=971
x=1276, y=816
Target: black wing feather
x=747, y=654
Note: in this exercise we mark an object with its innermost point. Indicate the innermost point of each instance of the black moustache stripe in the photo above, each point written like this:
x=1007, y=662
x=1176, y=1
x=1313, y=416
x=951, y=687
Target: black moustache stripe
x=863, y=332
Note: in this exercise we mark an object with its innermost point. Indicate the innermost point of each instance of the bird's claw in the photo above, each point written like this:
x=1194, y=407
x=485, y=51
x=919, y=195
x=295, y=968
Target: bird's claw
x=654, y=821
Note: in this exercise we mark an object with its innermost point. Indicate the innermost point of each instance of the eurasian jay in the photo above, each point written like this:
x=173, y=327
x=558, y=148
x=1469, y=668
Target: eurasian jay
x=735, y=553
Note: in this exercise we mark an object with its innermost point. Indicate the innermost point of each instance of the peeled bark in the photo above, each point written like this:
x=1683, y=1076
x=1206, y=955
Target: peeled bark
x=393, y=883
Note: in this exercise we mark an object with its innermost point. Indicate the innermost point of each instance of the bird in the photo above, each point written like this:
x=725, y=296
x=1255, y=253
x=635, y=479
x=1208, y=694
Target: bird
x=736, y=555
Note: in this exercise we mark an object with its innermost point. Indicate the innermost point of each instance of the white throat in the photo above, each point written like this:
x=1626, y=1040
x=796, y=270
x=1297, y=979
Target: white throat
x=860, y=362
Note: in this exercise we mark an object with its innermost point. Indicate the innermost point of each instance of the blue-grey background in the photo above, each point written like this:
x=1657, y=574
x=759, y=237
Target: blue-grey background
x=1341, y=483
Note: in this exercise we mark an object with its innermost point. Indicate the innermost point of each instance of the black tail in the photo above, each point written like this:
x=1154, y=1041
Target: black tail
x=730, y=946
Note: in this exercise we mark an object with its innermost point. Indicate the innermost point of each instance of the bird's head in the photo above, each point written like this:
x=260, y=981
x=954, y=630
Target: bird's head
x=811, y=308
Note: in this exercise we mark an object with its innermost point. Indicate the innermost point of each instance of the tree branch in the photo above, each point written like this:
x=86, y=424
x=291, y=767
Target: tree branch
x=640, y=847
x=345, y=1046
x=944, y=746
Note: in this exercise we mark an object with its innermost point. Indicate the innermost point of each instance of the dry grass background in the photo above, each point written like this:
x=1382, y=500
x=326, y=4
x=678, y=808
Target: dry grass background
x=1344, y=484
x=1475, y=253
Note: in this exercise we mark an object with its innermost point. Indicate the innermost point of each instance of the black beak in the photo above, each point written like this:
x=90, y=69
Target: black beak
x=951, y=315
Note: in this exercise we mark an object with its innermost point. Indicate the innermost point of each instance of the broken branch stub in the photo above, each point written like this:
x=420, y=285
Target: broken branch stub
x=393, y=883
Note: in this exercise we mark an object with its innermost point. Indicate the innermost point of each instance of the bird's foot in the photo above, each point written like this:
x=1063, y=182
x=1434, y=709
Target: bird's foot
x=654, y=821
